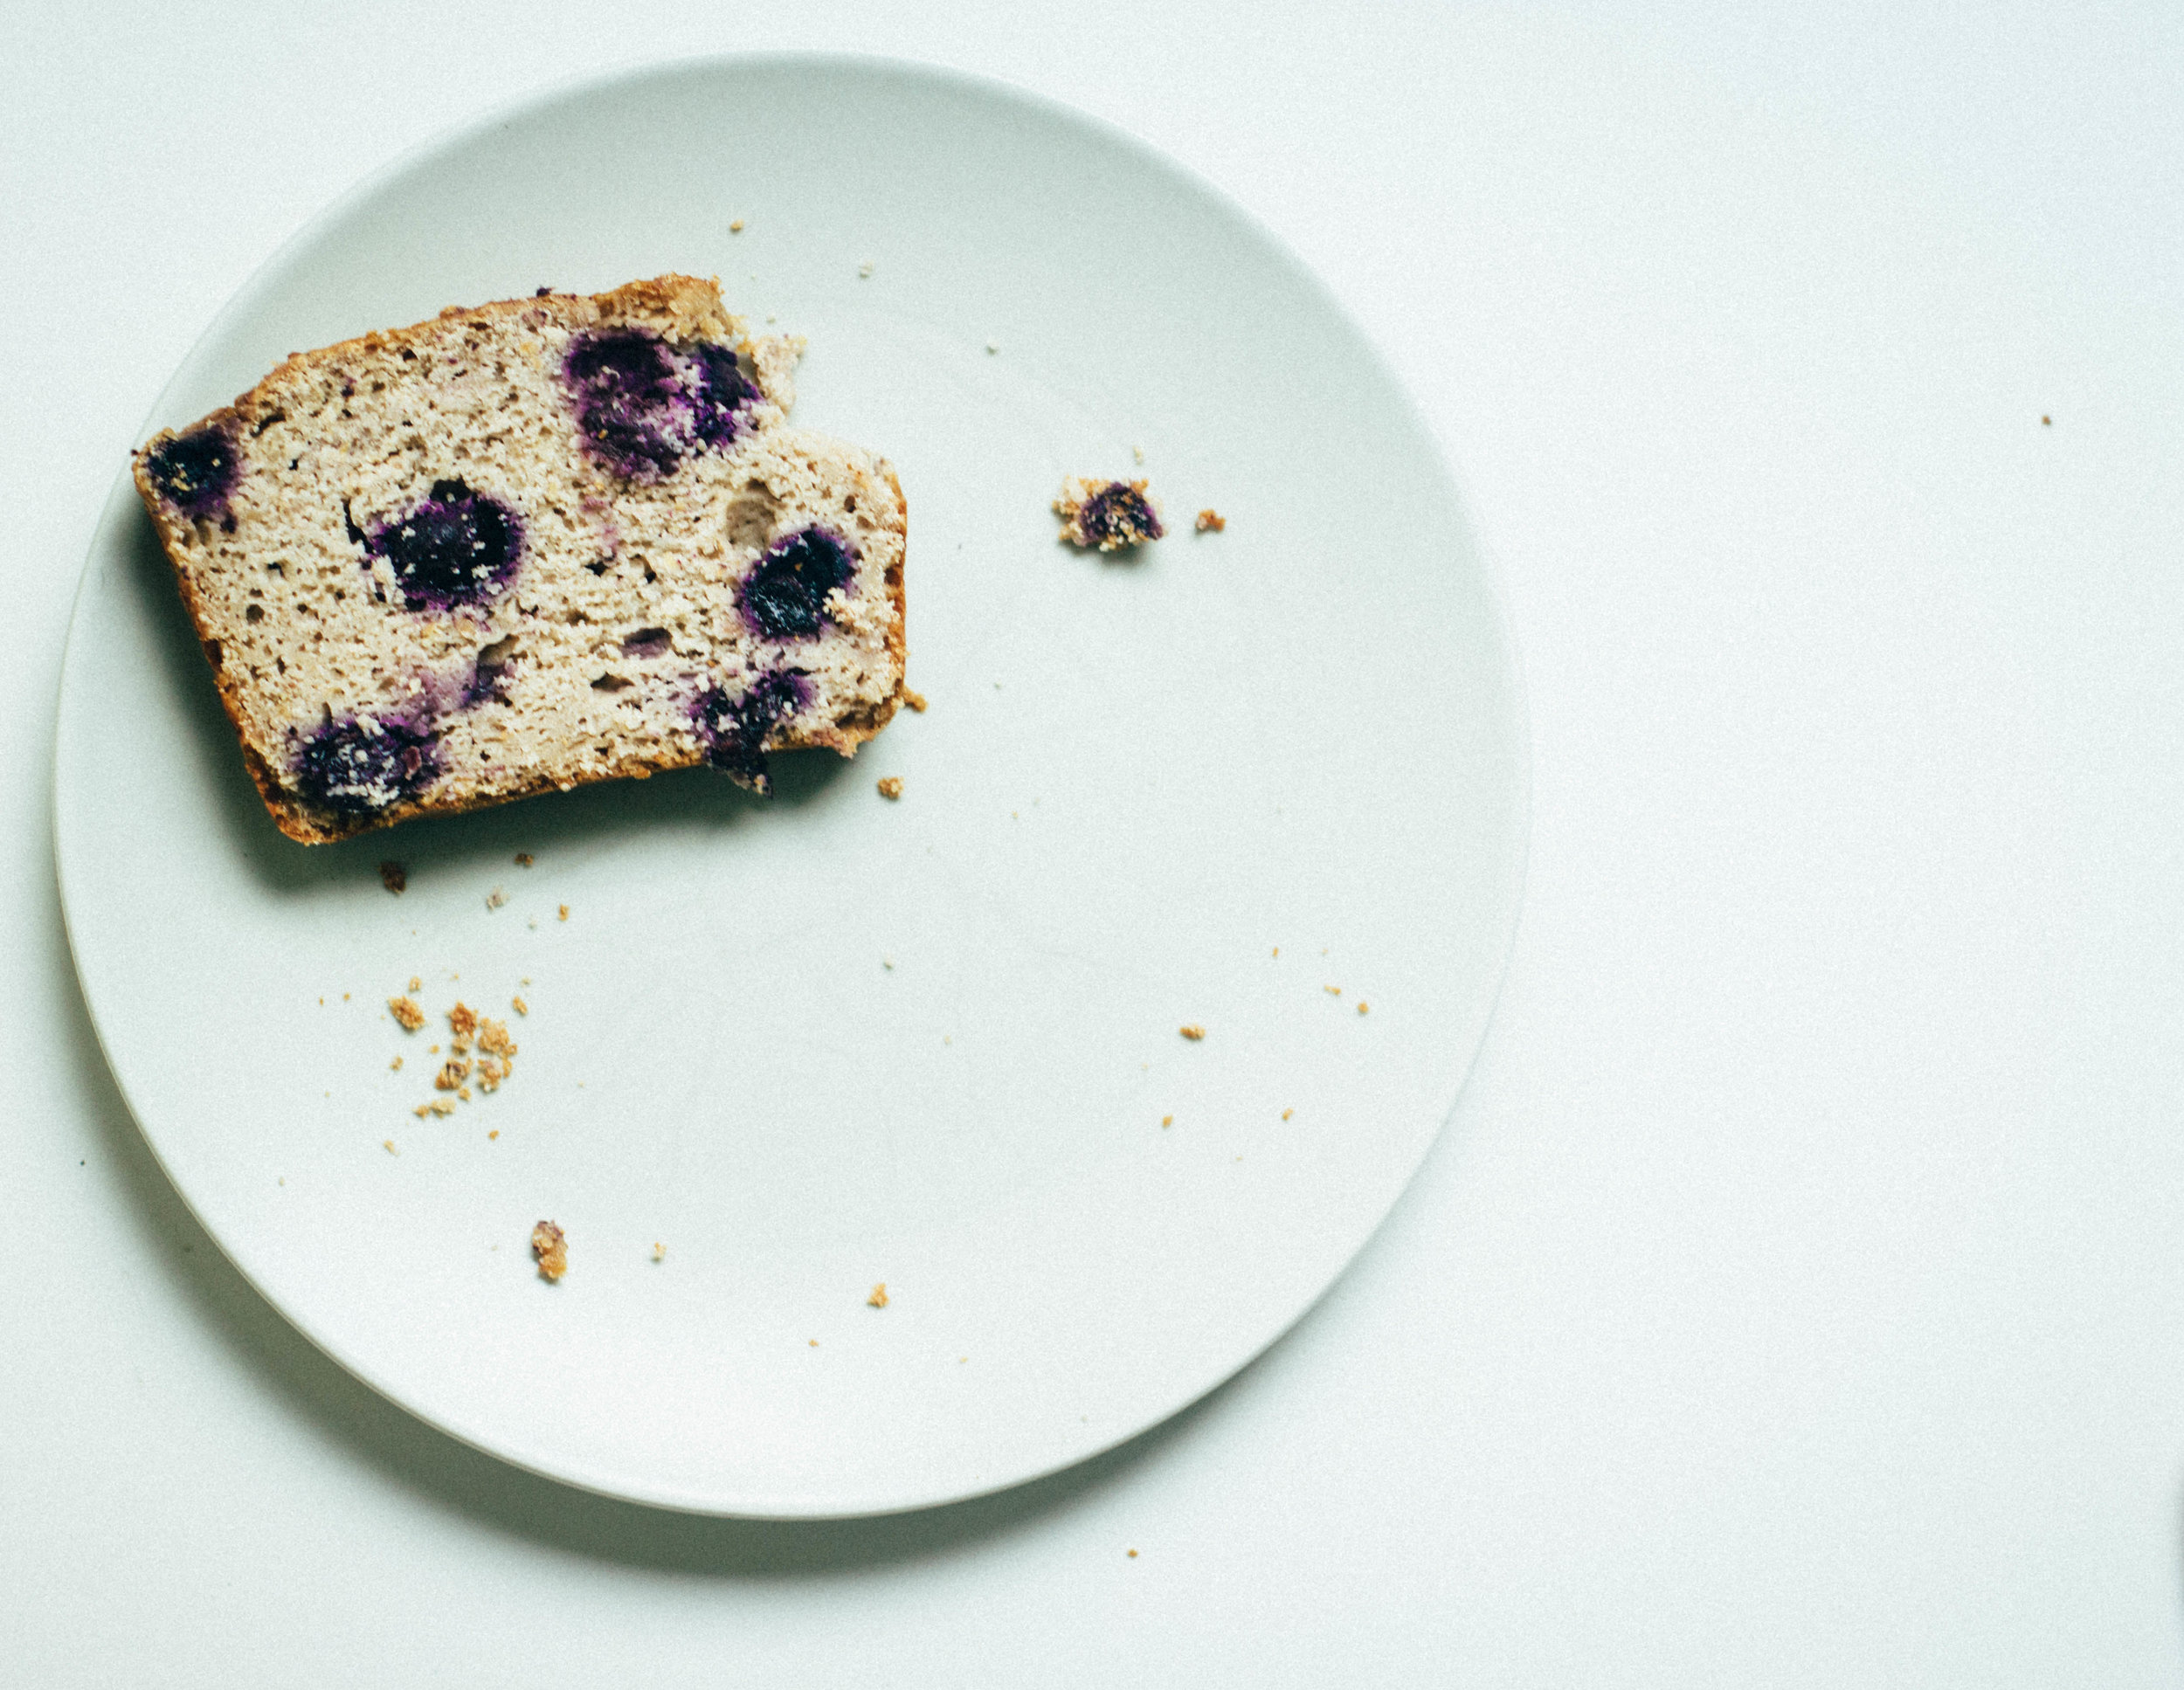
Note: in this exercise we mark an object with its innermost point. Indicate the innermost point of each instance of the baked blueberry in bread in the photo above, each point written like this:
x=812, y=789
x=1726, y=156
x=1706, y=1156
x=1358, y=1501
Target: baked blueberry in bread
x=542, y=542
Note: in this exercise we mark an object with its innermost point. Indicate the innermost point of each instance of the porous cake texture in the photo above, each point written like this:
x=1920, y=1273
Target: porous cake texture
x=521, y=547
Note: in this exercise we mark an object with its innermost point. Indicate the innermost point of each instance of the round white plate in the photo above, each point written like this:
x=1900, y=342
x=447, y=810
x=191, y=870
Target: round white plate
x=1138, y=778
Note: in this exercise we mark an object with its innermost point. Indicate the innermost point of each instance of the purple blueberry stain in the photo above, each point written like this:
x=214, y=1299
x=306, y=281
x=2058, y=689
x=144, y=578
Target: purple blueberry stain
x=455, y=546
x=1119, y=514
x=735, y=729
x=785, y=595
x=722, y=397
x=195, y=472
x=642, y=404
x=488, y=674
x=362, y=766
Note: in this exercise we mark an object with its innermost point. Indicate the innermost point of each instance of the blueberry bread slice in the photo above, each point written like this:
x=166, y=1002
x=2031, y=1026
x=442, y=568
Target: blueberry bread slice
x=521, y=547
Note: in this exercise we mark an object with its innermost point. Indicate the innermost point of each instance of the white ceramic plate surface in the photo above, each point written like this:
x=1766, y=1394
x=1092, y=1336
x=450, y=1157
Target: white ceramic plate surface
x=1137, y=780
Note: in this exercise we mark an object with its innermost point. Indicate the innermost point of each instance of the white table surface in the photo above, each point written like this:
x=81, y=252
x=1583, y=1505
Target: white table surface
x=1797, y=1296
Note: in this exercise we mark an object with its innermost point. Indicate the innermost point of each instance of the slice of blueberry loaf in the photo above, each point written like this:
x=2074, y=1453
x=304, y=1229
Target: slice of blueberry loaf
x=524, y=547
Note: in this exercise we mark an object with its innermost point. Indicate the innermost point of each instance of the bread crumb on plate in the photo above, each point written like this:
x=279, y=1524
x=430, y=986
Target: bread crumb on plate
x=406, y=1010
x=1193, y=1031
x=891, y=786
x=550, y=1246
x=879, y=1297
x=1107, y=515
x=393, y=876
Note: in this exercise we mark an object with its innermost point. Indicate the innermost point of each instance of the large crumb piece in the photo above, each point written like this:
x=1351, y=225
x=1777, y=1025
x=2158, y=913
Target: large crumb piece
x=452, y=1074
x=393, y=876
x=879, y=1297
x=891, y=787
x=1211, y=522
x=463, y=1020
x=1193, y=1031
x=1107, y=515
x=551, y=1248
x=915, y=701
x=519, y=1006
x=491, y=1072
x=528, y=546
x=406, y=1010
x=493, y=1036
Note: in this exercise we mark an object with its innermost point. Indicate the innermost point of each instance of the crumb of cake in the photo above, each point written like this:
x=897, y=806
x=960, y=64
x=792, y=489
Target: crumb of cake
x=406, y=1011
x=1193, y=1031
x=887, y=963
x=564, y=912
x=2047, y=421
x=495, y=898
x=396, y=1065
x=891, y=786
x=416, y=984
x=495, y=1133
x=442, y=1106
x=1286, y=1114
x=493, y=1036
x=389, y=1144
x=452, y=1074
x=344, y=998
x=519, y=1006
x=866, y=268
x=1332, y=991
x=1277, y=950
x=463, y=1020
x=523, y=859
x=432, y=1049
x=1364, y=1008
x=879, y=1297
x=1133, y=1554
x=1107, y=515
x=659, y=1253
x=491, y=1072
x=814, y=1344
x=915, y=701
x=992, y=347
x=464, y=1094
x=550, y=1246
x=1137, y=454
x=394, y=876
x=1211, y=522
x=1167, y=1120
x=737, y=228
x=322, y=1003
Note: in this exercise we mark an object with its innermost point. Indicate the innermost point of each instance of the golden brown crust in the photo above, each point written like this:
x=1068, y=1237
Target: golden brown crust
x=675, y=306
